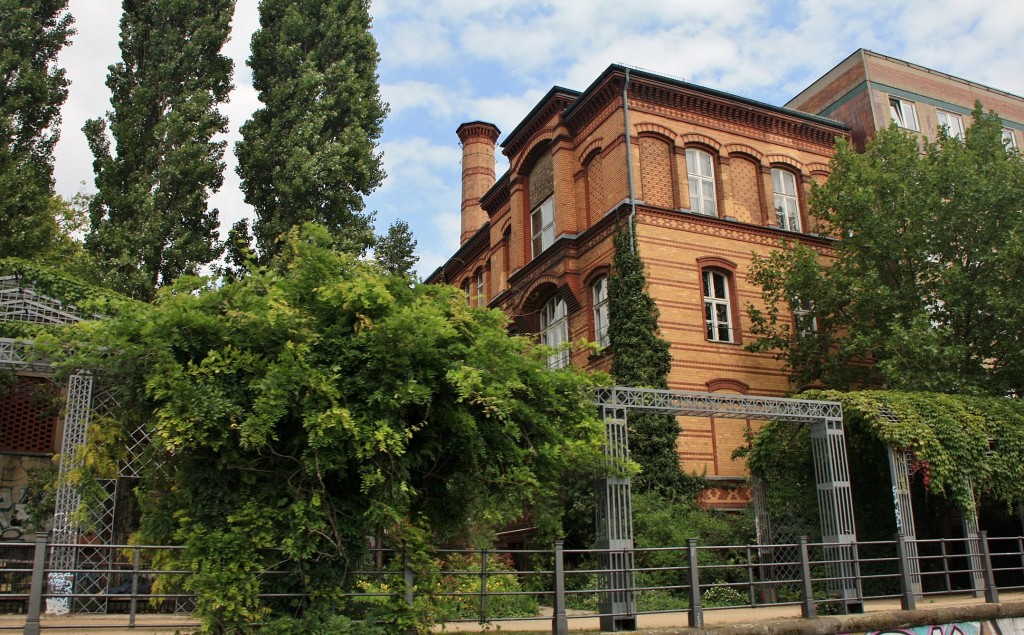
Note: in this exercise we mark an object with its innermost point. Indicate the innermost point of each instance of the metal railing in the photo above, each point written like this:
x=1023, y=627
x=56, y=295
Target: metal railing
x=494, y=585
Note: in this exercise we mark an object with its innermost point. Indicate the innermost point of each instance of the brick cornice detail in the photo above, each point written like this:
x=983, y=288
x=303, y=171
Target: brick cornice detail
x=555, y=106
x=478, y=129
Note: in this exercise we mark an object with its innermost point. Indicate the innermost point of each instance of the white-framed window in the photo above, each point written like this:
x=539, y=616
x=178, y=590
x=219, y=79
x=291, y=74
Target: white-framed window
x=542, y=219
x=480, y=299
x=465, y=292
x=700, y=171
x=717, y=317
x=954, y=124
x=599, y=293
x=554, y=331
x=787, y=205
x=1008, y=139
x=803, y=317
x=904, y=113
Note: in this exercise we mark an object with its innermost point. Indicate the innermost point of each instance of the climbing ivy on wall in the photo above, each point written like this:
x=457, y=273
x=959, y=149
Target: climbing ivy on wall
x=949, y=436
x=642, y=359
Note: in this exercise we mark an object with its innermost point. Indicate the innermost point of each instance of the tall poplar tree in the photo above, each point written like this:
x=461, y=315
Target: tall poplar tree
x=32, y=90
x=309, y=154
x=150, y=220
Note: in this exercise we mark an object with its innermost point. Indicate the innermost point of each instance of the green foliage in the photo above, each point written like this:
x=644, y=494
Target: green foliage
x=663, y=522
x=315, y=402
x=40, y=496
x=149, y=221
x=950, y=436
x=913, y=295
x=308, y=155
x=32, y=90
x=641, y=359
x=395, y=250
x=449, y=589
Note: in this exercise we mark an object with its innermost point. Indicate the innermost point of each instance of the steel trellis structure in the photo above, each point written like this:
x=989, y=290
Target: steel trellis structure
x=832, y=474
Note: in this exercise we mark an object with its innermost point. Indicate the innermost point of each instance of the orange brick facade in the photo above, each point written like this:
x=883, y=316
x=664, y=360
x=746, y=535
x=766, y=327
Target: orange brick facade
x=573, y=147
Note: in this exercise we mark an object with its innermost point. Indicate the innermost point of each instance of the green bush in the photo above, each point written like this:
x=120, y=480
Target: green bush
x=451, y=590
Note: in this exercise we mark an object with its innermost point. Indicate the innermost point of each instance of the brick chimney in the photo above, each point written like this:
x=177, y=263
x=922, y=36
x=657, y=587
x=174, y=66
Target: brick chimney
x=478, y=139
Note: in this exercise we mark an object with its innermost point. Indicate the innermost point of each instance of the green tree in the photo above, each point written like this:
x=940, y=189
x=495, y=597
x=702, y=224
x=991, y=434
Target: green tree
x=919, y=290
x=150, y=219
x=308, y=155
x=318, y=401
x=395, y=251
x=32, y=90
x=641, y=359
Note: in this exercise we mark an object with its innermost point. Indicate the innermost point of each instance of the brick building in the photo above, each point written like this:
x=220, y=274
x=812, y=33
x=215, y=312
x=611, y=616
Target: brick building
x=868, y=90
x=715, y=178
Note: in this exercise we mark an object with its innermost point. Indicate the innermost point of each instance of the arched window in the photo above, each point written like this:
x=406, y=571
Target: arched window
x=599, y=293
x=554, y=331
x=465, y=292
x=701, y=172
x=787, y=208
x=717, y=312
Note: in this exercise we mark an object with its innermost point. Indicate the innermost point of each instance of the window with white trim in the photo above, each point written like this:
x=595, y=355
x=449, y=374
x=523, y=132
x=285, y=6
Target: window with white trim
x=554, y=331
x=480, y=299
x=787, y=205
x=954, y=124
x=599, y=292
x=1008, y=139
x=465, y=292
x=700, y=171
x=717, y=316
x=903, y=113
x=542, y=220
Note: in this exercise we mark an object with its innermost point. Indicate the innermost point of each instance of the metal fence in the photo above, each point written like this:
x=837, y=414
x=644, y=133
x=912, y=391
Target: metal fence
x=499, y=585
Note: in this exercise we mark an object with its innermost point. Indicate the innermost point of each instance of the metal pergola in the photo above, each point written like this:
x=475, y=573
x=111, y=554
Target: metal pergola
x=831, y=472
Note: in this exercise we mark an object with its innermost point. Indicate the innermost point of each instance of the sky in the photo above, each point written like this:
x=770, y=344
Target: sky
x=445, y=62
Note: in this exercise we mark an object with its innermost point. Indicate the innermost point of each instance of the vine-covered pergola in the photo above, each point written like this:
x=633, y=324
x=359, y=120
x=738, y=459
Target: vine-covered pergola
x=832, y=476
x=85, y=398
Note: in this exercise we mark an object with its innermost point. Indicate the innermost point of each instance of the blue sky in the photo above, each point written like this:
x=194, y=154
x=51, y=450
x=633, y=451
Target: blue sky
x=444, y=62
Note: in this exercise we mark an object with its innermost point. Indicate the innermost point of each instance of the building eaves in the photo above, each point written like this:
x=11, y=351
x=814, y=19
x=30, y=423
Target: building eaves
x=466, y=253
x=556, y=100
x=620, y=70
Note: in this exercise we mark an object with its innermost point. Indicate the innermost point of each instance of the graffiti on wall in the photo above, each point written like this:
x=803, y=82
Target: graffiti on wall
x=1001, y=626
x=12, y=512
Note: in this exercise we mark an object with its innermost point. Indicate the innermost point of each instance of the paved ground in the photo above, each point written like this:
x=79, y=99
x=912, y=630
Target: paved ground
x=579, y=621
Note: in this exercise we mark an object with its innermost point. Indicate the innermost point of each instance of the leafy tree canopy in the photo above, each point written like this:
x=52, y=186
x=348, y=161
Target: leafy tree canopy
x=395, y=251
x=308, y=154
x=316, y=402
x=920, y=290
x=32, y=90
x=150, y=221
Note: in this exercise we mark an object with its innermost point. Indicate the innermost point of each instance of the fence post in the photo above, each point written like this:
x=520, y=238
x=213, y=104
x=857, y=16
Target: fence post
x=696, y=609
x=560, y=622
x=35, y=599
x=907, y=600
x=133, y=604
x=807, y=607
x=991, y=592
x=483, y=586
x=408, y=577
